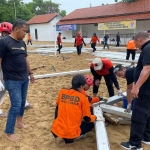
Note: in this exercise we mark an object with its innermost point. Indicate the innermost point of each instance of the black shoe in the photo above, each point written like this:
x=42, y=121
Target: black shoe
x=128, y=146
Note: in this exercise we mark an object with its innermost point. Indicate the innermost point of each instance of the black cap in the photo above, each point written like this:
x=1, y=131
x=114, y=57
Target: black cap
x=78, y=80
x=94, y=34
x=118, y=68
x=59, y=33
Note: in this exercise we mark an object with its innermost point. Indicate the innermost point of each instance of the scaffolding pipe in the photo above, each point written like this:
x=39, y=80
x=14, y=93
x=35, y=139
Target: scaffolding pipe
x=61, y=74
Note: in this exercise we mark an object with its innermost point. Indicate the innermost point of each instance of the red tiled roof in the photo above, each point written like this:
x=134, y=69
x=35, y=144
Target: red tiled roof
x=42, y=18
x=108, y=19
x=106, y=13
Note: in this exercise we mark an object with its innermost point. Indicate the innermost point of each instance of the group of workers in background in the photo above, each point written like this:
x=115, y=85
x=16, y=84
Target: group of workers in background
x=79, y=41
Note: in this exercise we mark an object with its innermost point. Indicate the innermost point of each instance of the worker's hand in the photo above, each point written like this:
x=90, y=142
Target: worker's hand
x=100, y=118
x=97, y=82
x=74, y=45
x=120, y=93
x=31, y=78
x=135, y=92
x=84, y=44
x=128, y=110
x=1, y=86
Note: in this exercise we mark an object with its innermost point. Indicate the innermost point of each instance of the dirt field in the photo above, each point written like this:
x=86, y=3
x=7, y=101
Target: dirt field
x=43, y=95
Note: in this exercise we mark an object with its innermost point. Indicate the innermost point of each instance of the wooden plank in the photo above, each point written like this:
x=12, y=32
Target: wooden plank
x=115, y=110
x=101, y=133
x=124, y=121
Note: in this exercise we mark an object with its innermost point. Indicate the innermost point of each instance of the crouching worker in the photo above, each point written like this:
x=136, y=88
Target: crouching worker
x=89, y=82
x=73, y=117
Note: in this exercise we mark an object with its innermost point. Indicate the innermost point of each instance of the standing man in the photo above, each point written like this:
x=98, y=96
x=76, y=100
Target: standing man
x=79, y=41
x=128, y=74
x=103, y=67
x=15, y=67
x=29, y=39
x=106, y=37
x=131, y=49
x=118, y=39
x=59, y=42
x=140, y=120
x=93, y=42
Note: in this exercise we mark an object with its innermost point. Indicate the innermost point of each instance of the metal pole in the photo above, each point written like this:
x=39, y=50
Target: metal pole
x=15, y=8
x=55, y=35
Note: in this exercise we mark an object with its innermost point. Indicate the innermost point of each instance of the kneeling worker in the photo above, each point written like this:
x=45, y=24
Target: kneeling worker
x=103, y=67
x=72, y=108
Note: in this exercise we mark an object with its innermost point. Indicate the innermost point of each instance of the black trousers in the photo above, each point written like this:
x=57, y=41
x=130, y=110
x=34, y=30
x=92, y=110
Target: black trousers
x=79, y=49
x=109, y=85
x=118, y=43
x=29, y=41
x=93, y=46
x=140, y=121
x=85, y=128
x=59, y=48
x=132, y=52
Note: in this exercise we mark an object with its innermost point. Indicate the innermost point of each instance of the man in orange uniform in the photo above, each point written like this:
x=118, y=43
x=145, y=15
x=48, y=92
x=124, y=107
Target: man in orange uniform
x=78, y=43
x=59, y=42
x=72, y=108
x=131, y=49
x=29, y=39
x=103, y=67
x=94, y=39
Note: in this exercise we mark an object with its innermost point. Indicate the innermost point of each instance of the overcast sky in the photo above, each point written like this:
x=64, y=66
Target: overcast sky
x=71, y=5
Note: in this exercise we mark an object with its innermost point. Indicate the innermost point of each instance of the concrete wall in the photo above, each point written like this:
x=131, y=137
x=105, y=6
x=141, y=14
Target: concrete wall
x=45, y=31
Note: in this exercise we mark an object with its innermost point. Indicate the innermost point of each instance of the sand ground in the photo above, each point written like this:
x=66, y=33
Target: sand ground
x=43, y=95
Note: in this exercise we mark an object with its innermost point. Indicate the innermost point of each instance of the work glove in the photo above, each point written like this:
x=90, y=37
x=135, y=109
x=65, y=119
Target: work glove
x=120, y=93
x=1, y=86
x=74, y=45
x=84, y=44
x=100, y=118
x=128, y=110
x=89, y=98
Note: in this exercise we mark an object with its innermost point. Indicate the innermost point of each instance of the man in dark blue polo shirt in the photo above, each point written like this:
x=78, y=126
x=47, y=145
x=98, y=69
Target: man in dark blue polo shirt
x=15, y=67
x=140, y=120
x=106, y=37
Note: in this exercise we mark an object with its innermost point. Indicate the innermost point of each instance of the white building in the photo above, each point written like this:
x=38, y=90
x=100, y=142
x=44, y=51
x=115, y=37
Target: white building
x=42, y=27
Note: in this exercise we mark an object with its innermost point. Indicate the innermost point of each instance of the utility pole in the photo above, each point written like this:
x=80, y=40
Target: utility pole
x=15, y=8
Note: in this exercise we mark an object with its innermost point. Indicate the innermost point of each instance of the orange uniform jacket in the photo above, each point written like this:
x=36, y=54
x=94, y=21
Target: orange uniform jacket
x=105, y=70
x=72, y=107
x=94, y=99
x=78, y=40
x=94, y=39
x=59, y=40
x=131, y=45
x=29, y=37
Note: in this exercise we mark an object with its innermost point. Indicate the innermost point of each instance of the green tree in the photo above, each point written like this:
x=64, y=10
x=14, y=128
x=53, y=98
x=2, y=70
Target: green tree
x=63, y=13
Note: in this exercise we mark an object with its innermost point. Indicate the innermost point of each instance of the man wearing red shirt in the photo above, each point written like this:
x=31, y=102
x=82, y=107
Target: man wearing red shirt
x=93, y=42
x=59, y=42
x=103, y=67
x=79, y=42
